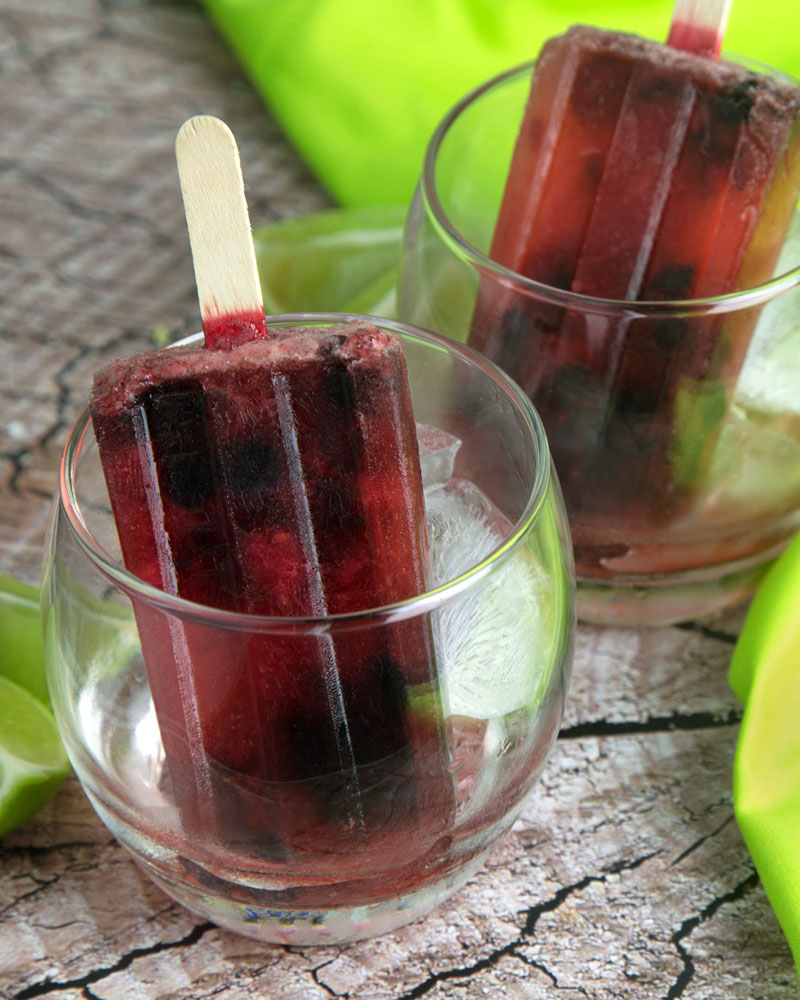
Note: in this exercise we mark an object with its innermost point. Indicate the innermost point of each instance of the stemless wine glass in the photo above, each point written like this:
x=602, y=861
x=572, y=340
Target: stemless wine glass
x=677, y=445
x=358, y=847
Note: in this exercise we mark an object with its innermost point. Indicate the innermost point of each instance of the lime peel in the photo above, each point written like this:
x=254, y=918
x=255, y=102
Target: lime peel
x=33, y=762
x=339, y=260
x=21, y=658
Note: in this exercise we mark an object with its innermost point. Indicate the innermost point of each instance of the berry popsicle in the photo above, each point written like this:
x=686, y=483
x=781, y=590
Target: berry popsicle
x=279, y=476
x=641, y=172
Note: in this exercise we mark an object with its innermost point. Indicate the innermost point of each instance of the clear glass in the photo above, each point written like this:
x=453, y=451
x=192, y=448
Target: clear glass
x=675, y=509
x=349, y=851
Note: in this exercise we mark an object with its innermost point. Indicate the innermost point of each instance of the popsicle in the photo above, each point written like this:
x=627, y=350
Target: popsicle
x=641, y=172
x=279, y=476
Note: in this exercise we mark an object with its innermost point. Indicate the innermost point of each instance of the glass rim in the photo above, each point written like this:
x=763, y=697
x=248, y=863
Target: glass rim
x=424, y=603
x=729, y=302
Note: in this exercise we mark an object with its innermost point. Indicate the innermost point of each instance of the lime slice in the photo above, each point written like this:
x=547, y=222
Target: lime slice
x=32, y=759
x=21, y=659
x=341, y=260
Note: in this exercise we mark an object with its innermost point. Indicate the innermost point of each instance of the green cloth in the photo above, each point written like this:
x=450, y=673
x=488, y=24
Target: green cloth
x=765, y=674
x=359, y=85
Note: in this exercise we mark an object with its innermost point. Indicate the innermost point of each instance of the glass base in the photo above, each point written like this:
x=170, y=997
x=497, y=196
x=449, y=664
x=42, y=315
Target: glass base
x=279, y=909
x=671, y=598
x=280, y=925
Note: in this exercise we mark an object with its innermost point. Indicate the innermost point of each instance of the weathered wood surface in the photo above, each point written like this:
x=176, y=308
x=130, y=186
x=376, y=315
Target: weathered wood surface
x=626, y=876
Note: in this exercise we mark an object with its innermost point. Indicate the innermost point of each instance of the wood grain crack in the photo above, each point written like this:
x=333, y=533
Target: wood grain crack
x=40, y=884
x=700, y=841
x=654, y=724
x=531, y=918
x=708, y=632
x=49, y=986
x=114, y=216
x=19, y=37
x=315, y=976
x=691, y=923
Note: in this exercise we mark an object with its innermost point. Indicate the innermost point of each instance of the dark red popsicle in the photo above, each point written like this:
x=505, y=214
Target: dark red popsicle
x=280, y=477
x=641, y=172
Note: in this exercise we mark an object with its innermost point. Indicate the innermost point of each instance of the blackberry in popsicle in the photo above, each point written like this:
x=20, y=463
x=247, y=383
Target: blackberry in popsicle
x=641, y=173
x=279, y=476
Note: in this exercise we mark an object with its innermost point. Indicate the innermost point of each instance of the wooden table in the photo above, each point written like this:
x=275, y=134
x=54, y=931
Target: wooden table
x=626, y=876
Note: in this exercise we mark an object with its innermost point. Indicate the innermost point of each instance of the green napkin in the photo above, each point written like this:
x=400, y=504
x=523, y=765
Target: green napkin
x=765, y=674
x=359, y=85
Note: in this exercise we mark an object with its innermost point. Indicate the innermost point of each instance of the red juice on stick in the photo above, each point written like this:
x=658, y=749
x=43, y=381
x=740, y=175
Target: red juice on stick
x=641, y=173
x=699, y=26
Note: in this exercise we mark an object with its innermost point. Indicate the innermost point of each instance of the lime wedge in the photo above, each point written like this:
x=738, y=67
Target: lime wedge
x=21, y=659
x=32, y=759
x=341, y=260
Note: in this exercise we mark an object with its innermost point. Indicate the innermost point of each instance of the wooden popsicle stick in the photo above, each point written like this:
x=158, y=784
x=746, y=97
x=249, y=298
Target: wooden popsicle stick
x=699, y=26
x=219, y=233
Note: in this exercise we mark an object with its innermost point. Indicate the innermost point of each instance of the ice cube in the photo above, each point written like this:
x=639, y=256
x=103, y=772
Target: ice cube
x=437, y=453
x=769, y=377
x=496, y=643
